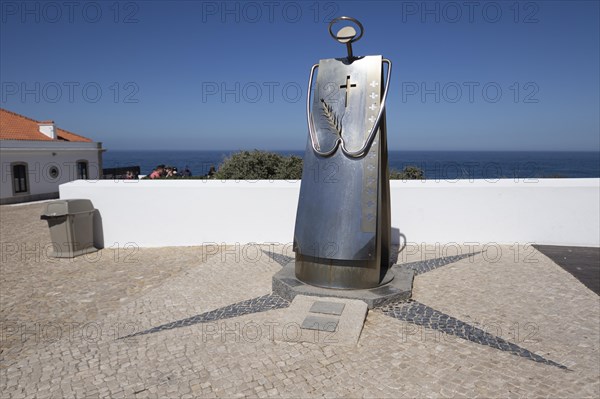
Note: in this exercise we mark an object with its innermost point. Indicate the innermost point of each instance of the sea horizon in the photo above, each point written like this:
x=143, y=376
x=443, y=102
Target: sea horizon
x=436, y=164
x=302, y=150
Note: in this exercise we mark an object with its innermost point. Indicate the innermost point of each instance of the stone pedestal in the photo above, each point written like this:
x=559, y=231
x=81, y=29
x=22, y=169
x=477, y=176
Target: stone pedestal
x=286, y=285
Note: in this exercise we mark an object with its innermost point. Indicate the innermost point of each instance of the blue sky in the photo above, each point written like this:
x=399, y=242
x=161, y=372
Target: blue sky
x=212, y=75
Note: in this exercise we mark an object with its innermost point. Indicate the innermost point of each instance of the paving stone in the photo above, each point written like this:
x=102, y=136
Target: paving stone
x=503, y=297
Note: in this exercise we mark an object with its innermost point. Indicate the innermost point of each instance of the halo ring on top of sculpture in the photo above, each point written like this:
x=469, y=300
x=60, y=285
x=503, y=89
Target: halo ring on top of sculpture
x=347, y=34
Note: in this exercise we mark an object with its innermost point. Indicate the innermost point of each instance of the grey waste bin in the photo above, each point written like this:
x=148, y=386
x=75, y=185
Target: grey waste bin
x=71, y=224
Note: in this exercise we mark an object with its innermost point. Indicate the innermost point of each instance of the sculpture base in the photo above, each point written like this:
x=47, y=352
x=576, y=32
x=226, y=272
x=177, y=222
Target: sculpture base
x=340, y=274
x=286, y=285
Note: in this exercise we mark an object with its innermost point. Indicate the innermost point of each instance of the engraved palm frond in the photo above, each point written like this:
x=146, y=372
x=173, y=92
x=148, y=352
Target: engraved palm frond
x=335, y=123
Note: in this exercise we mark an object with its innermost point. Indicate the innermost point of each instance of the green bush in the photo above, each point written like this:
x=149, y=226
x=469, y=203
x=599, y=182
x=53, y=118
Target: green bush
x=408, y=173
x=260, y=165
x=264, y=165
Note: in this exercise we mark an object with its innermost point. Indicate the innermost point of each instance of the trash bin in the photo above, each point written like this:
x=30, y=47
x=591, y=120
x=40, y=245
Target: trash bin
x=71, y=224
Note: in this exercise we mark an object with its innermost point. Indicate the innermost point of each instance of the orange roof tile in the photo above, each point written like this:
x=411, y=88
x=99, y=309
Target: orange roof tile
x=18, y=127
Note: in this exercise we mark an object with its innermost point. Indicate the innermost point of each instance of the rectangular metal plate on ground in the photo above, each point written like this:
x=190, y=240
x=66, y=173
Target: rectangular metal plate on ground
x=326, y=307
x=319, y=323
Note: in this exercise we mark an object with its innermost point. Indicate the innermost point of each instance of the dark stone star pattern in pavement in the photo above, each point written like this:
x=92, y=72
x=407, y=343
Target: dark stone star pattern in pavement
x=254, y=305
x=428, y=265
x=413, y=312
x=279, y=258
x=422, y=315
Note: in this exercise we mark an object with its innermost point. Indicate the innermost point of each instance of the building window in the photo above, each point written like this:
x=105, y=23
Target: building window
x=82, y=170
x=53, y=172
x=19, y=174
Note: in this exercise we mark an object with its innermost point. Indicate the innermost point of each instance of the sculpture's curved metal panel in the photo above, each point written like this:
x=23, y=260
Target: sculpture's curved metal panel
x=342, y=234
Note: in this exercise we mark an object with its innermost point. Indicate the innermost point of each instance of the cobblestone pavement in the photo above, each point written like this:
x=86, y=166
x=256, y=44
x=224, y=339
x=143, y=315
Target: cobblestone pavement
x=68, y=326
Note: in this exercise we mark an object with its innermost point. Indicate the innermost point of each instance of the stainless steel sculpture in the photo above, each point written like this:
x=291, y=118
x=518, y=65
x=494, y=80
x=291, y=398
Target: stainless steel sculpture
x=342, y=235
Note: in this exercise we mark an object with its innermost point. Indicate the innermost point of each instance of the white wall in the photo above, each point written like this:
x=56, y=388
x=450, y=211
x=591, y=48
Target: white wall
x=191, y=212
x=40, y=157
x=545, y=211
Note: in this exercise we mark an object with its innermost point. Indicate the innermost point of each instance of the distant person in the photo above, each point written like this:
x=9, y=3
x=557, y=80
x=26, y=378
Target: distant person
x=129, y=175
x=211, y=171
x=158, y=172
x=186, y=172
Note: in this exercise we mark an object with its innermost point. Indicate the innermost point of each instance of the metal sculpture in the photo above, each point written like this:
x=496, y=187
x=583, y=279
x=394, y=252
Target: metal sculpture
x=342, y=234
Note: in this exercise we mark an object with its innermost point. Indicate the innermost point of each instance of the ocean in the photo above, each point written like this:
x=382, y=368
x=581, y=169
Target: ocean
x=438, y=165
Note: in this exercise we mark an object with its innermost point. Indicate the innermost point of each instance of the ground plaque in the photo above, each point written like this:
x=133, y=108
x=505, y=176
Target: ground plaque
x=328, y=324
x=334, y=308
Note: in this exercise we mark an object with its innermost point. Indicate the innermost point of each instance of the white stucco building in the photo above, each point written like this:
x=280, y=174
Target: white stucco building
x=36, y=157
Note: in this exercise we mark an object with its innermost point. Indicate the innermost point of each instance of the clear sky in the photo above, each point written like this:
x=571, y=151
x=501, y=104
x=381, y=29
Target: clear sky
x=213, y=75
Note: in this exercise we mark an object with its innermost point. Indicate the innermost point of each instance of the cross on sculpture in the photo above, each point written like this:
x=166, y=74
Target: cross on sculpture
x=347, y=86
